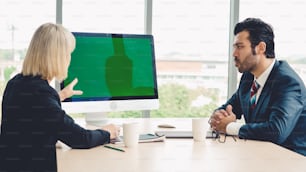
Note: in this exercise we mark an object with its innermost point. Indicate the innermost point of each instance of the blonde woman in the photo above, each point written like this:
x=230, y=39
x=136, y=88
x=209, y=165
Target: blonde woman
x=32, y=117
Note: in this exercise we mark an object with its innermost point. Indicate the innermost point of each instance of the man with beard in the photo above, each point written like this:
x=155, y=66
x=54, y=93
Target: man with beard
x=271, y=96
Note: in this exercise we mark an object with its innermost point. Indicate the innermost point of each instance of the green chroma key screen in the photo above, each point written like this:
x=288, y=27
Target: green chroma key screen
x=113, y=66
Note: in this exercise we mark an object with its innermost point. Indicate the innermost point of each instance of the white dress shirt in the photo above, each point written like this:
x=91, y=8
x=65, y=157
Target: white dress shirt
x=234, y=127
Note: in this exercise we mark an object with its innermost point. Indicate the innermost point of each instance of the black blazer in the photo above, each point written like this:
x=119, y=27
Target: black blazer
x=280, y=113
x=32, y=122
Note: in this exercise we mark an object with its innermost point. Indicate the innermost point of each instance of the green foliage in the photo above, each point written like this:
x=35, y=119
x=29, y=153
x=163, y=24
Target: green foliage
x=2, y=87
x=175, y=101
x=77, y=115
x=7, y=54
x=125, y=114
x=8, y=71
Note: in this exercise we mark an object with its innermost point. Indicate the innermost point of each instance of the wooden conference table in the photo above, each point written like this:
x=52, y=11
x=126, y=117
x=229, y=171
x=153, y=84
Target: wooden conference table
x=182, y=155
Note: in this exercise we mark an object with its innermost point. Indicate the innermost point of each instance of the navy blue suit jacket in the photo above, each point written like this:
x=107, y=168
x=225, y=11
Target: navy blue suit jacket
x=280, y=113
x=32, y=122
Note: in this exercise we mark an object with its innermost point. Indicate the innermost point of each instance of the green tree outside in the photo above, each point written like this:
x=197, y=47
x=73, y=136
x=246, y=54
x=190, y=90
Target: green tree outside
x=7, y=72
x=175, y=102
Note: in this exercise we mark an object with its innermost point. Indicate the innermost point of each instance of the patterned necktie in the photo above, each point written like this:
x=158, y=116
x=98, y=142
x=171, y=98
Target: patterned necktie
x=254, y=89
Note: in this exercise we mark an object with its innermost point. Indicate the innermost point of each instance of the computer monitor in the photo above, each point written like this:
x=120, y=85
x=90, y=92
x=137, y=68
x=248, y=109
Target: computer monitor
x=116, y=72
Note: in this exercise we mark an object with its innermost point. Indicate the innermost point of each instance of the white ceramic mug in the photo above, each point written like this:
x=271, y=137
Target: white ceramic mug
x=199, y=129
x=130, y=134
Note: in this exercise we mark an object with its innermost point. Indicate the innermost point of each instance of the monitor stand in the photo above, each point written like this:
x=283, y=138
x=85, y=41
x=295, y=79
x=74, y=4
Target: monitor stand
x=146, y=114
x=96, y=118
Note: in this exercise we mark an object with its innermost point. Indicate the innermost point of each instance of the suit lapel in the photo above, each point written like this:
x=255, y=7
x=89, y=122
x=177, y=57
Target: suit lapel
x=259, y=105
x=264, y=97
x=262, y=102
x=245, y=97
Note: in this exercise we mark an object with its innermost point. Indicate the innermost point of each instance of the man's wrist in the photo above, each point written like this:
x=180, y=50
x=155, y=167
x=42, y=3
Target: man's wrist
x=233, y=128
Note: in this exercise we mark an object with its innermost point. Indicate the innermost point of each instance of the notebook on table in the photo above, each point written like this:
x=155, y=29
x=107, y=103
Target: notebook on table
x=181, y=129
x=174, y=133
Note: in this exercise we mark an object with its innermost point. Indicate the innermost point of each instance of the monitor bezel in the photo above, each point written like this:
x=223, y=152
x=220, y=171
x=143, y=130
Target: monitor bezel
x=114, y=98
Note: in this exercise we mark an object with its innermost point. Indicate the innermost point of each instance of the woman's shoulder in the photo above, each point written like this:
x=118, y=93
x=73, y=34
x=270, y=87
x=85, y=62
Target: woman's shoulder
x=31, y=84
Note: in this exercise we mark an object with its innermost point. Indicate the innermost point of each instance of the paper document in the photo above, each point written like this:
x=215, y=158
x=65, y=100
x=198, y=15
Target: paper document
x=143, y=138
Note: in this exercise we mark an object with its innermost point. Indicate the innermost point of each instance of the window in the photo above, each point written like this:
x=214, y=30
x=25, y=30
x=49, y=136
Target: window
x=18, y=21
x=287, y=19
x=191, y=41
x=107, y=16
x=191, y=44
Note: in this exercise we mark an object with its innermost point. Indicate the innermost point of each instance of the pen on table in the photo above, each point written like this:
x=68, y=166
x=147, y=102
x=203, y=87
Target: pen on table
x=118, y=149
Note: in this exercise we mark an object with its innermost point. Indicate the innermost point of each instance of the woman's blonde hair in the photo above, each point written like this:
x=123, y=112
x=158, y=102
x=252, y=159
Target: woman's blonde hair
x=49, y=52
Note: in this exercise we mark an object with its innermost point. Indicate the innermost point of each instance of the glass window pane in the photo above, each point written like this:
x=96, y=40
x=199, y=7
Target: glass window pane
x=106, y=16
x=191, y=43
x=18, y=21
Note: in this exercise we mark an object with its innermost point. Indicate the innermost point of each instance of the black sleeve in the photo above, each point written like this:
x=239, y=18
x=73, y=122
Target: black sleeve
x=284, y=110
x=71, y=133
x=77, y=137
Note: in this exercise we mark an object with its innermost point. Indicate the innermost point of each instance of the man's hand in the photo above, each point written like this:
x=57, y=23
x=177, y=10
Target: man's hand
x=68, y=90
x=220, y=118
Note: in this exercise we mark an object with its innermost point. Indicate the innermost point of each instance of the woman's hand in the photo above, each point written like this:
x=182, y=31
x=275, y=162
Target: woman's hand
x=68, y=90
x=113, y=130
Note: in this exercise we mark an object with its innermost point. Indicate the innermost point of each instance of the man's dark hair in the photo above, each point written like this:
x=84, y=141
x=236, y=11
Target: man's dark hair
x=258, y=31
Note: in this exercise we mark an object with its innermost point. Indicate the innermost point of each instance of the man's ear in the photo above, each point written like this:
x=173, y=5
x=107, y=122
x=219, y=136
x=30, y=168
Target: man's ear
x=261, y=48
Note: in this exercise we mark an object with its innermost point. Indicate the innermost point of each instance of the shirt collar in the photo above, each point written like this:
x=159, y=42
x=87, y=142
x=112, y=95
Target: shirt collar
x=261, y=80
